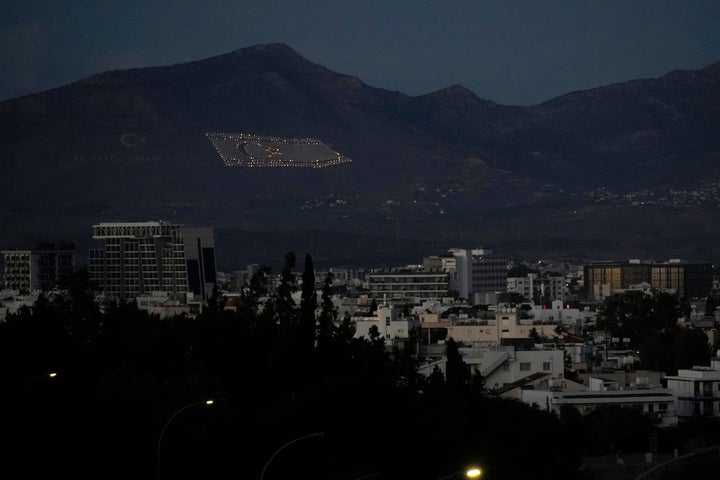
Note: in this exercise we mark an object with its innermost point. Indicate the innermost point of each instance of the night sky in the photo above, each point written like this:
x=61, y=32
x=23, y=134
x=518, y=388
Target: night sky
x=518, y=52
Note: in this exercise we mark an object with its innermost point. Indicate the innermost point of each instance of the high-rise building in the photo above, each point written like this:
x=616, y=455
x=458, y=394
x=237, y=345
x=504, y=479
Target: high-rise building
x=479, y=271
x=539, y=289
x=38, y=269
x=200, y=258
x=688, y=279
x=144, y=257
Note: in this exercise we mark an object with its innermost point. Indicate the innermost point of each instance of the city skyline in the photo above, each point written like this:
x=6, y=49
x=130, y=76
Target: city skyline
x=361, y=230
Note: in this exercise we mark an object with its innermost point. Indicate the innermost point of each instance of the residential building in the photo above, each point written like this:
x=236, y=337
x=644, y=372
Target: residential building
x=500, y=365
x=508, y=364
x=391, y=326
x=478, y=272
x=697, y=390
x=446, y=263
x=652, y=400
x=165, y=305
x=140, y=258
x=538, y=289
x=40, y=268
x=563, y=314
x=410, y=285
x=440, y=263
x=504, y=324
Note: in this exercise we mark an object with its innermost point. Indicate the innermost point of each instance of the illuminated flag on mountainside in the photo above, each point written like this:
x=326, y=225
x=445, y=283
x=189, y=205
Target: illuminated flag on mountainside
x=246, y=150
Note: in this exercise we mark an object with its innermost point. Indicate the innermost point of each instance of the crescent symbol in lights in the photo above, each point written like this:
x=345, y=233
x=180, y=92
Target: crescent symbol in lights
x=132, y=140
x=241, y=148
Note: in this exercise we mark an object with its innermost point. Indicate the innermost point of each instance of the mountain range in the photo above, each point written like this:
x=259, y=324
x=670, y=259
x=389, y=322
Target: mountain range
x=619, y=171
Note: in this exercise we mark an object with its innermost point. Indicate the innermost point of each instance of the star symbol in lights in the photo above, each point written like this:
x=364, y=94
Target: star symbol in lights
x=273, y=152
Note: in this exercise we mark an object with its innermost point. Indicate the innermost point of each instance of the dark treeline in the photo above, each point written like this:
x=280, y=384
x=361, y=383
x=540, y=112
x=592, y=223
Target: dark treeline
x=277, y=371
x=650, y=323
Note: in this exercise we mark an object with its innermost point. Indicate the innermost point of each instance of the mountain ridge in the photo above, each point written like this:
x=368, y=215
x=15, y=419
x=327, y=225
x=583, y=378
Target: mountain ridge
x=131, y=143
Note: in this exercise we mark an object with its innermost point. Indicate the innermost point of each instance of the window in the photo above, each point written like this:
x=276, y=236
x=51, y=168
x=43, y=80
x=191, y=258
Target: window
x=524, y=366
x=546, y=366
x=506, y=367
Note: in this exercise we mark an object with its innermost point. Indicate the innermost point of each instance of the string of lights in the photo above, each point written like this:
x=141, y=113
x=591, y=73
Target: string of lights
x=253, y=151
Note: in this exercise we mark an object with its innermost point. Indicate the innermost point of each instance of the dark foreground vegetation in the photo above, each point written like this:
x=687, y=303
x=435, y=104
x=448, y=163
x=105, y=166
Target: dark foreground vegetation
x=277, y=374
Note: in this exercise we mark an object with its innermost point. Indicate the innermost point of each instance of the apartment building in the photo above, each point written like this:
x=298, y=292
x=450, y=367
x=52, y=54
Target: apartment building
x=479, y=271
x=697, y=390
x=411, y=285
x=538, y=289
x=39, y=268
x=139, y=258
x=652, y=400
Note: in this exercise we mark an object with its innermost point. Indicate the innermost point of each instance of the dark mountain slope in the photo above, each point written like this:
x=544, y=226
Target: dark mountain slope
x=641, y=132
x=131, y=145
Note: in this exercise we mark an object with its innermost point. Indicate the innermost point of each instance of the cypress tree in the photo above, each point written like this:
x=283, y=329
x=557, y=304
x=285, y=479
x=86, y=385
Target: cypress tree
x=308, y=304
x=286, y=308
x=328, y=314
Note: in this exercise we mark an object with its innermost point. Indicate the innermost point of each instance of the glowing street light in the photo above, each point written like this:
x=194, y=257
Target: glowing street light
x=44, y=375
x=473, y=472
x=207, y=402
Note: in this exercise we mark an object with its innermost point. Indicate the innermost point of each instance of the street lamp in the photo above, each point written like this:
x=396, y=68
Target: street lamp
x=162, y=432
x=473, y=472
x=370, y=475
x=44, y=375
x=318, y=434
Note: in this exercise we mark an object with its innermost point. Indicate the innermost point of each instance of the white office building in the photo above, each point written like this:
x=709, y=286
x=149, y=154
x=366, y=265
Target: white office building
x=139, y=258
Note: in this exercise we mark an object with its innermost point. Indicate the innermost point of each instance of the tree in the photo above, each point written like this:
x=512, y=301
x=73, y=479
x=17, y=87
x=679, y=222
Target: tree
x=346, y=329
x=374, y=334
x=405, y=366
x=251, y=294
x=286, y=307
x=308, y=304
x=637, y=316
x=569, y=370
x=328, y=314
x=457, y=372
x=373, y=306
x=612, y=428
x=710, y=306
x=675, y=348
x=215, y=303
x=436, y=382
x=478, y=382
x=537, y=337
